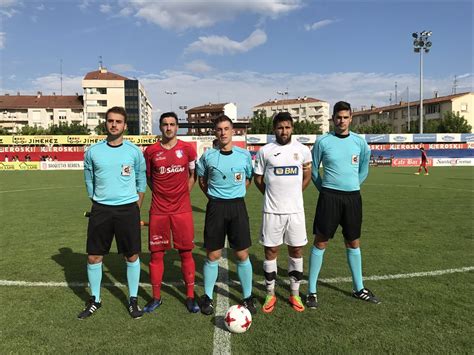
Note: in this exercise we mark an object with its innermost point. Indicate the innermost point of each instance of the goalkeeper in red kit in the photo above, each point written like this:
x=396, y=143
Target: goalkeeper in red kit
x=170, y=166
x=424, y=161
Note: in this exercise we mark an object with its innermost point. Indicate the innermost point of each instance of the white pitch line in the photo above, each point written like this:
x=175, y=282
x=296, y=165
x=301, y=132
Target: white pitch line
x=221, y=344
x=418, y=186
x=41, y=188
x=224, y=285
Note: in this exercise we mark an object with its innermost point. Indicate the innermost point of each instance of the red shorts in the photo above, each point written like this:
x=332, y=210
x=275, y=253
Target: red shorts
x=181, y=226
x=423, y=163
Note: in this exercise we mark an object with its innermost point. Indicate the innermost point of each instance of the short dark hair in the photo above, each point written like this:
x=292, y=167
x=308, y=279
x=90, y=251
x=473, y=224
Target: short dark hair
x=341, y=106
x=168, y=114
x=222, y=118
x=281, y=117
x=117, y=109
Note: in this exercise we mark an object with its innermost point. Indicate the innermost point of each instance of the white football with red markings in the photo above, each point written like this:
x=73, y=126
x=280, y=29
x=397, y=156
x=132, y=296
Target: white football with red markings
x=238, y=319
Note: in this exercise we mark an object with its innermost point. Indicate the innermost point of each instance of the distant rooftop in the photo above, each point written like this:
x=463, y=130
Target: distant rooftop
x=103, y=74
x=40, y=101
x=298, y=100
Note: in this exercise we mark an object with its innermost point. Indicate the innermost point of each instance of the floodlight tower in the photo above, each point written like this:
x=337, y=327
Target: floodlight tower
x=421, y=44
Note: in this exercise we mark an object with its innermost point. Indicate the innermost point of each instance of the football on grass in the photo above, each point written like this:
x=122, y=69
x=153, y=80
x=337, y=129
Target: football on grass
x=238, y=319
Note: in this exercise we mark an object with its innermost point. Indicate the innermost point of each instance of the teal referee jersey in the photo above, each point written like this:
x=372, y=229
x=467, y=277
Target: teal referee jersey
x=345, y=161
x=114, y=174
x=226, y=173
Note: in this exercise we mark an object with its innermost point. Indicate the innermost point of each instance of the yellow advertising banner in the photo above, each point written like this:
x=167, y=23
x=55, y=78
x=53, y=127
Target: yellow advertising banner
x=69, y=140
x=5, y=166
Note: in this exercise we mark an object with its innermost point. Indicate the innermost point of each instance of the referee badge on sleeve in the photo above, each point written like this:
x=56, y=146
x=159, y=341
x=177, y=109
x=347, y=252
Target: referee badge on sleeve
x=126, y=170
x=355, y=159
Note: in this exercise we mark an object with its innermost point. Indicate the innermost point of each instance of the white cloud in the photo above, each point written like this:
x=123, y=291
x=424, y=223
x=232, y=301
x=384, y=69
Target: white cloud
x=184, y=14
x=3, y=39
x=41, y=7
x=123, y=68
x=319, y=24
x=105, y=8
x=7, y=8
x=198, y=66
x=224, y=45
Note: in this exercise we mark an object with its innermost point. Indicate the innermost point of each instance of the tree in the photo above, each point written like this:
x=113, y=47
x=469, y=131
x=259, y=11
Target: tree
x=374, y=128
x=306, y=127
x=31, y=130
x=66, y=129
x=261, y=124
x=100, y=129
x=454, y=123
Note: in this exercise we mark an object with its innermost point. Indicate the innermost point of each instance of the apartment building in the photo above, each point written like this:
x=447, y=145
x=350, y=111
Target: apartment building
x=301, y=108
x=17, y=111
x=201, y=118
x=104, y=89
x=434, y=108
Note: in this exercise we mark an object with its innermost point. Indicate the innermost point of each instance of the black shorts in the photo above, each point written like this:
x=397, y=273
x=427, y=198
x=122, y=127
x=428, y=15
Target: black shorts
x=106, y=221
x=338, y=208
x=227, y=217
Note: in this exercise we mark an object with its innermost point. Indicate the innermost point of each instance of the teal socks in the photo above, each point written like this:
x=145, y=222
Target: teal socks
x=133, y=277
x=211, y=270
x=315, y=262
x=94, y=274
x=354, y=260
x=244, y=270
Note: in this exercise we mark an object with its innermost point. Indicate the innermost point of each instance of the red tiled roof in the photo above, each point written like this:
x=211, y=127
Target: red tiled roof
x=207, y=108
x=288, y=102
x=103, y=75
x=49, y=101
x=412, y=103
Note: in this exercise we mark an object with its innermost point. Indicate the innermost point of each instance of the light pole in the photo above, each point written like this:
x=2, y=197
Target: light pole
x=283, y=93
x=421, y=44
x=171, y=93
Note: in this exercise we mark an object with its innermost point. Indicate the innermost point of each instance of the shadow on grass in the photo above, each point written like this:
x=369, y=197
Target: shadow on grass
x=198, y=209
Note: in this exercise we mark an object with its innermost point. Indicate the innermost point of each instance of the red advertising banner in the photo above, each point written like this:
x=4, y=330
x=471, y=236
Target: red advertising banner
x=403, y=162
x=35, y=153
x=418, y=145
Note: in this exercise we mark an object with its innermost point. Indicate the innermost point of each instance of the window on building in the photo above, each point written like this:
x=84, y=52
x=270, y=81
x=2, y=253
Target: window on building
x=92, y=116
x=432, y=109
x=102, y=103
x=463, y=107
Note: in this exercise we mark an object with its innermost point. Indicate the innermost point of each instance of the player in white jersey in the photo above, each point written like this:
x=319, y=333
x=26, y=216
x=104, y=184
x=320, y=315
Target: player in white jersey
x=282, y=172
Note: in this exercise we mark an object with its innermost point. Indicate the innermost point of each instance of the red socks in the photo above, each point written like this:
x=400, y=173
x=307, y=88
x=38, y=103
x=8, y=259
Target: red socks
x=156, y=273
x=188, y=269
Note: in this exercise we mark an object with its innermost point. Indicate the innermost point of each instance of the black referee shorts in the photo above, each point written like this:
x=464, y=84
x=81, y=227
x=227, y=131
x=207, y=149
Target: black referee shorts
x=105, y=221
x=226, y=217
x=338, y=208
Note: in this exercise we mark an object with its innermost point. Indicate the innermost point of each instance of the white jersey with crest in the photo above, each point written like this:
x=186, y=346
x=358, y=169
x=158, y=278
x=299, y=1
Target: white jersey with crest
x=282, y=167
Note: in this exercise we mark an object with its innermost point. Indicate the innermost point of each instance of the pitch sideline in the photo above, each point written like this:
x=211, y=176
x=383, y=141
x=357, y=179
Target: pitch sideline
x=223, y=284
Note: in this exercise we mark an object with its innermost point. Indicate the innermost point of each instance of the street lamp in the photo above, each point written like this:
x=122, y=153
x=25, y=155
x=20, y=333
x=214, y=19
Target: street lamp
x=171, y=93
x=421, y=44
x=283, y=93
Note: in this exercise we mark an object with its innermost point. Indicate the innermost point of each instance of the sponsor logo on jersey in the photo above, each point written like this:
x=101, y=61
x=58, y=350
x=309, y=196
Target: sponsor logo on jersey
x=238, y=177
x=171, y=169
x=179, y=153
x=355, y=159
x=126, y=170
x=277, y=154
x=296, y=156
x=285, y=170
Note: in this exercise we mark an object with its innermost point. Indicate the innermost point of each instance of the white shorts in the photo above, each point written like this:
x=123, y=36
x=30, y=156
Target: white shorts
x=283, y=228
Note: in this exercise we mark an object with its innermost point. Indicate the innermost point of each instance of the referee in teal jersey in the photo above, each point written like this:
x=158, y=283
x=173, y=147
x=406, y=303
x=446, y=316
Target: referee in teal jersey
x=224, y=173
x=345, y=159
x=114, y=172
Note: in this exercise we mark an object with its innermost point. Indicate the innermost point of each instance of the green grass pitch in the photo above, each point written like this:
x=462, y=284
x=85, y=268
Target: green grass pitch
x=411, y=224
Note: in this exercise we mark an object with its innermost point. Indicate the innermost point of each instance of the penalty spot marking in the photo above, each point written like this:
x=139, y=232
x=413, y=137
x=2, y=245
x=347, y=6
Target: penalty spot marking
x=222, y=285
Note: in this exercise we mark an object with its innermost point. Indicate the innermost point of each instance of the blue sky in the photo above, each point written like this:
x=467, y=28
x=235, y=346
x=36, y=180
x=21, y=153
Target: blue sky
x=238, y=51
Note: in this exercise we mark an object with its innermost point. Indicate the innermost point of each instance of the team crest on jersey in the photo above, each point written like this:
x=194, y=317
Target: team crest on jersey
x=238, y=177
x=355, y=159
x=126, y=170
x=179, y=153
x=296, y=156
